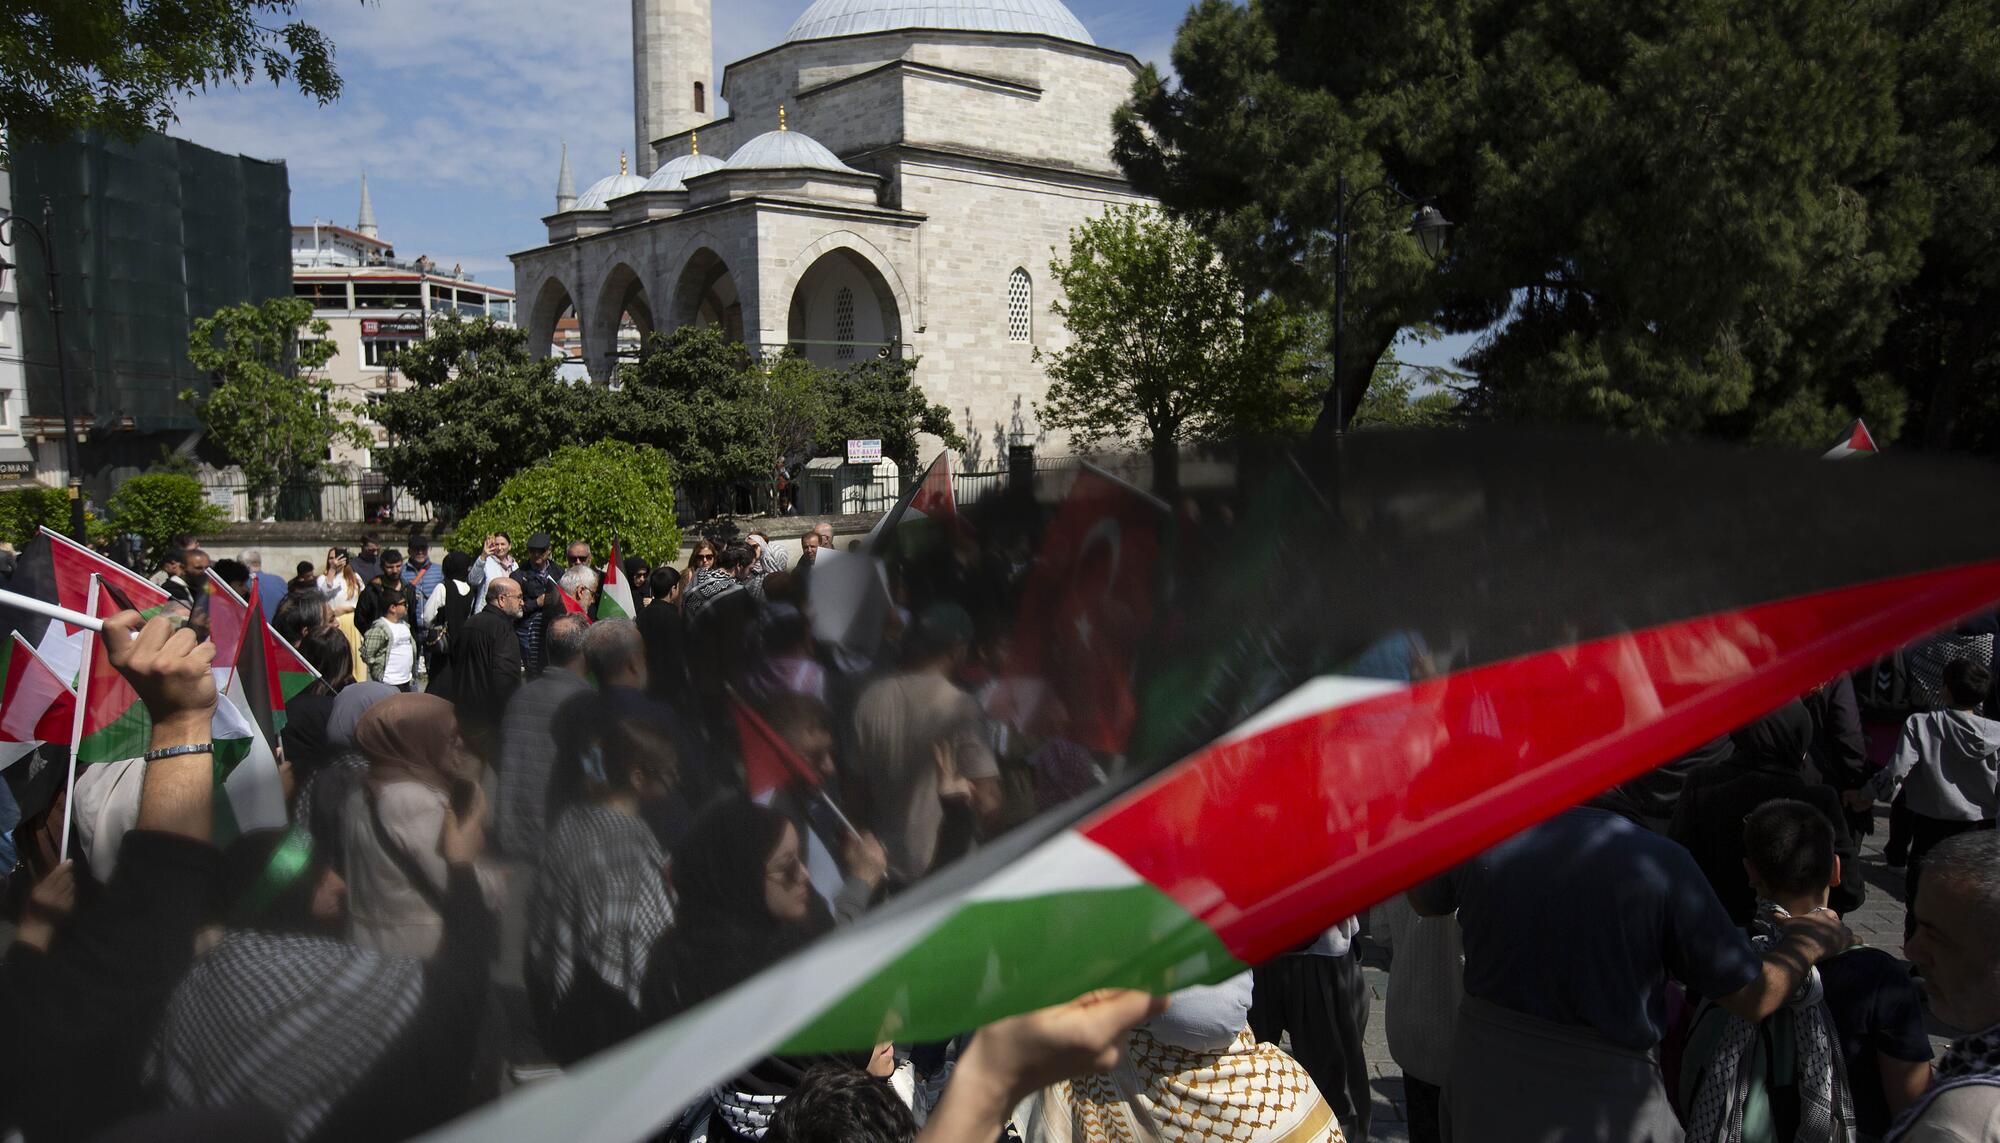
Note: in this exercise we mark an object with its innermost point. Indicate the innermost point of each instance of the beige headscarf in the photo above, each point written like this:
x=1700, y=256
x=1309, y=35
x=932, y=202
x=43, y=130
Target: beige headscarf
x=414, y=738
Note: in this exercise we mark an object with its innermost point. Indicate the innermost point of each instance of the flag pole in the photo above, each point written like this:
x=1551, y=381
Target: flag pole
x=76, y=723
x=49, y=610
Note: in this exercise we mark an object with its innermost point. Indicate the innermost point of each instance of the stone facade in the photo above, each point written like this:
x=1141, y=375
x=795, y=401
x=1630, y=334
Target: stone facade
x=969, y=156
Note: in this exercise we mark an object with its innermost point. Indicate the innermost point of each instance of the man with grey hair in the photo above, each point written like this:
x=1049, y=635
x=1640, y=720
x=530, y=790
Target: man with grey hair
x=616, y=654
x=527, y=740
x=580, y=581
x=270, y=588
x=1956, y=949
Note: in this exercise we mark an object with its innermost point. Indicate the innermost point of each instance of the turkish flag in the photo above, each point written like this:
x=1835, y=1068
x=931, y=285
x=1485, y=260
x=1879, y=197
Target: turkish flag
x=1087, y=605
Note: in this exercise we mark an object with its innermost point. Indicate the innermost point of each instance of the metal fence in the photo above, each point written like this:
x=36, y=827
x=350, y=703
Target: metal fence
x=335, y=500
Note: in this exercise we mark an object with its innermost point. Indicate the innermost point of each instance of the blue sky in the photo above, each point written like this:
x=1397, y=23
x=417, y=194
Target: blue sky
x=458, y=109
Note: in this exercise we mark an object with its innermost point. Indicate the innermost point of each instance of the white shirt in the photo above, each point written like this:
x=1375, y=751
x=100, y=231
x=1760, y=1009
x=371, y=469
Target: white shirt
x=340, y=595
x=401, y=664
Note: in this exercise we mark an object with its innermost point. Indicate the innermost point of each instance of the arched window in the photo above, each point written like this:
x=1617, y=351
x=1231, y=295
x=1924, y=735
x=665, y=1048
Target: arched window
x=700, y=97
x=843, y=322
x=1020, y=305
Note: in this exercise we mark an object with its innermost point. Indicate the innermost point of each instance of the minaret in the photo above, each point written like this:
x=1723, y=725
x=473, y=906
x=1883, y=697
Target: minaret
x=365, y=224
x=672, y=55
x=565, y=186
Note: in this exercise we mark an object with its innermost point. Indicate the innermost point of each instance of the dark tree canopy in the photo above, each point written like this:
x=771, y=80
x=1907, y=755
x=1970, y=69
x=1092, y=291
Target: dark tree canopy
x=1727, y=216
x=120, y=65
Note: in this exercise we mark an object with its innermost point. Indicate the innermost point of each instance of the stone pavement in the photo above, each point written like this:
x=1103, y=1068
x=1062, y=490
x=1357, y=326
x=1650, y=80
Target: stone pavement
x=1878, y=922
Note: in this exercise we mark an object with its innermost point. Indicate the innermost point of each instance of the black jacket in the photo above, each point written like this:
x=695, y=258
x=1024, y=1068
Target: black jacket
x=484, y=668
x=1708, y=820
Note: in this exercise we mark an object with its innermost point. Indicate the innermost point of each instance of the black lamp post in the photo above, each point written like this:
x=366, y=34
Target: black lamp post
x=41, y=233
x=1426, y=222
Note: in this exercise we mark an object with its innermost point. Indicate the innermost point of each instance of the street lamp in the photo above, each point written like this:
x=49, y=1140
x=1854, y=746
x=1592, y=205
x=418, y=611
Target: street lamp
x=1430, y=226
x=41, y=233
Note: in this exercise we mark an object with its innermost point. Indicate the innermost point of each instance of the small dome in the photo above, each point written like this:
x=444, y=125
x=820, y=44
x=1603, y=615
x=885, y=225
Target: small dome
x=786, y=151
x=674, y=173
x=828, y=18
x=607, y=188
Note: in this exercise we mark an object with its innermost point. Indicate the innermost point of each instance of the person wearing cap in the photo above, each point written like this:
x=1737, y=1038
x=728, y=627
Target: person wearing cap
x=537, y=577
x=933, y=781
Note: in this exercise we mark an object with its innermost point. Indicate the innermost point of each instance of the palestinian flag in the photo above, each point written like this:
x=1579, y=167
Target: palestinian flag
x=253, y=707
x=615, y=601
x=36, y=705
x=287, y=672
x=771, y=768
x=924, y=514
x=1857, y=441
x=1571, y=613
x=112, y=725
x=56, y=569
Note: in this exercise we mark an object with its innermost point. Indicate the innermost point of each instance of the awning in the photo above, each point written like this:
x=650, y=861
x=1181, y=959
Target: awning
x=17, y=469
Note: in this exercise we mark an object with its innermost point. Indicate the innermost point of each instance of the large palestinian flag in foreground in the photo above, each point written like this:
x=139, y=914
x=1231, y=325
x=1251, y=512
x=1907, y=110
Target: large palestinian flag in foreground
x=1406, y=650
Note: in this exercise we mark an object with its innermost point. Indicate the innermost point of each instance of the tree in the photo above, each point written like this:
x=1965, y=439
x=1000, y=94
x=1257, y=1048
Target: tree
x=586, y=492
x=270, y=410
x=120, y=65
x=879, y=400
x=479, y=408
x=1393, y=403
x=158, y=506
x=1166, y=345
x=697, y=396
x=25, y=511
x=1692, y=215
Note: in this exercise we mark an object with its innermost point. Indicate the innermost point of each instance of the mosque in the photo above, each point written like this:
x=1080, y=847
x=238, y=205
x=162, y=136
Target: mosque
x=891, y=179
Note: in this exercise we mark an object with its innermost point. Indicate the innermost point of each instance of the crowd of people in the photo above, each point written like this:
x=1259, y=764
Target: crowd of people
x=525, y=829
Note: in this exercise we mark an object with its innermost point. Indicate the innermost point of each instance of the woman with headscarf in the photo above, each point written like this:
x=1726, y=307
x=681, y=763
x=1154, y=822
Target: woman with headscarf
x=743, y=901
x=1194, y=1072
x=600, y=898
x=416, y=765
x=1769, y=761
x=447, y=607
x=336, y=1041
x=307, y=713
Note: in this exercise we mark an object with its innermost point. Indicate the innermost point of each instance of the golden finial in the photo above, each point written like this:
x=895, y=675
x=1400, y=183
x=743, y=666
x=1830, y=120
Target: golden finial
x=694, y=143
x=781, y=117
x=621, y=161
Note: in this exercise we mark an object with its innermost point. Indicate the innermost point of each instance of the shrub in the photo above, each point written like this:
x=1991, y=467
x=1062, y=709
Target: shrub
x=26, y=509
x=585, y=492
x=159, y=506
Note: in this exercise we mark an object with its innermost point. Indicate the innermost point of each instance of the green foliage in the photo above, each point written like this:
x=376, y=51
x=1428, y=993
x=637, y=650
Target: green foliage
x=879, y=400
x=1704, y=215
x=270, y=410
x=24, y=510
x=1392, y=402
x=1166, y=343
x=122, y=65
x=159, y=506
x=586, y=492
x=479, y=408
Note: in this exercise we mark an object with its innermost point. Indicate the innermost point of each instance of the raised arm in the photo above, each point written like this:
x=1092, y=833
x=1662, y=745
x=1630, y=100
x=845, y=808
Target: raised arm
x=170, y=671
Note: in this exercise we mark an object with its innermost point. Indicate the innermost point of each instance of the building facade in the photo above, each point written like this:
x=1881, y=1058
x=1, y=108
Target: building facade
x=17, y=460
x=892, y=179
x=374, y=304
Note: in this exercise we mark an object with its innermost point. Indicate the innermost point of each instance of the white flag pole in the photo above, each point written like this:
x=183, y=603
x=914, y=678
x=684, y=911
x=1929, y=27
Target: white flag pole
x=42, y=607
x=76, y=725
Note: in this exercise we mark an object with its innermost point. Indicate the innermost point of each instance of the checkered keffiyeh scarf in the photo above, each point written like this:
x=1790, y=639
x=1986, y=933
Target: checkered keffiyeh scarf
x=746, y=1113
x=285, y=1021
x=710, y=584
x=1928, y=660
x=599, y=901
x=1826, y=1104
x=1252, y=1093
x=1971, y=1062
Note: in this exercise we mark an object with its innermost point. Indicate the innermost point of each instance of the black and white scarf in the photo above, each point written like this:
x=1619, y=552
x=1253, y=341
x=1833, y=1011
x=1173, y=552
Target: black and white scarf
x=599, y=900
x=710, y=584
x=1971, y=1062
x=1826, y=1103
x=286, y=1021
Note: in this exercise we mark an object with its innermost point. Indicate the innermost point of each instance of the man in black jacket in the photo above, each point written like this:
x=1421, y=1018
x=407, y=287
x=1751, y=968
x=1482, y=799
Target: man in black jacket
x=484, y=668
x=375, y=598
x=1769, y=762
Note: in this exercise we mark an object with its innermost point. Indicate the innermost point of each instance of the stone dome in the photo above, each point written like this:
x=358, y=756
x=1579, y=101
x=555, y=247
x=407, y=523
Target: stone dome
x=674, y=173
x=783, y=150
x=601, y=192
x=828, y=18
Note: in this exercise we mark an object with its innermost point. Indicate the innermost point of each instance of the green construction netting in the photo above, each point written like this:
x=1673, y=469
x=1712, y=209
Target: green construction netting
x=149, y=234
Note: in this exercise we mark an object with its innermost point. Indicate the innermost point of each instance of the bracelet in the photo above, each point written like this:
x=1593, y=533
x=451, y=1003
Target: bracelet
x=177, y=751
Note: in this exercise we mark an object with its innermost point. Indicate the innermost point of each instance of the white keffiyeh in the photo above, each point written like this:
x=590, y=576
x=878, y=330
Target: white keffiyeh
x=599, y=901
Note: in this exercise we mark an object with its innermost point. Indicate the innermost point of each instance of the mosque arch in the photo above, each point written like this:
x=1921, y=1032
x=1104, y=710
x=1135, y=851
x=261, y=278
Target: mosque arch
x=705, y=293
x=549, y=333
x=845, y=302
x=621, y=320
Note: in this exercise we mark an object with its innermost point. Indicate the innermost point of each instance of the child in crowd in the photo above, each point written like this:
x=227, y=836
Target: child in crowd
x=388, y=648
